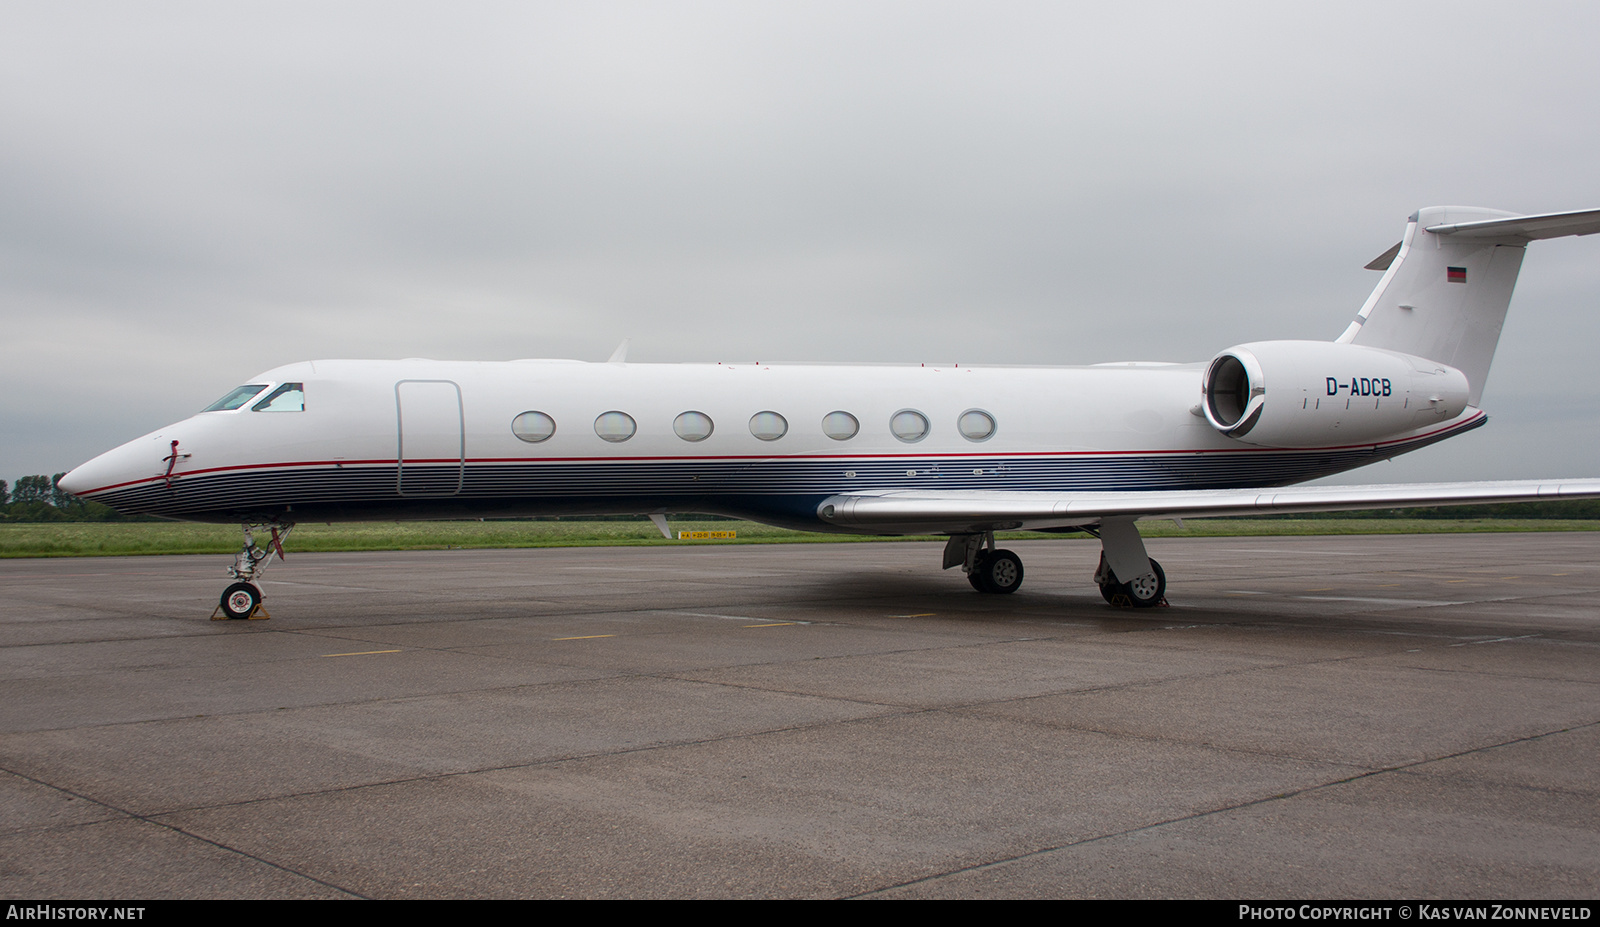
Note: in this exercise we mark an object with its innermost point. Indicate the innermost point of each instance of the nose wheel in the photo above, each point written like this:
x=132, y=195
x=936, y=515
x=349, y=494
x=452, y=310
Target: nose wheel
x=243, y=598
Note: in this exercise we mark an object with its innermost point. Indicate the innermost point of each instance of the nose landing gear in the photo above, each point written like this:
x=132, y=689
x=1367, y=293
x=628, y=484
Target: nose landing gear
x=243, y=598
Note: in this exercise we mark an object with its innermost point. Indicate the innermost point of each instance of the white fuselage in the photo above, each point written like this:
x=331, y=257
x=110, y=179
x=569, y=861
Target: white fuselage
x=431, y=439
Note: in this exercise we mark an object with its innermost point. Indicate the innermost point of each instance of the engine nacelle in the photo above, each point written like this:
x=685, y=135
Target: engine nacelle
x=1320, y=393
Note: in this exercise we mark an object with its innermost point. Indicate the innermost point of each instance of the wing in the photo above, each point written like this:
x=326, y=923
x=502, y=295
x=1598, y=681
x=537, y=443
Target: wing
x=958, y=512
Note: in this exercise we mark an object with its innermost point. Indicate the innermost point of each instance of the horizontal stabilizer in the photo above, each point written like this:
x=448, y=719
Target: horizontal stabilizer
x=957, y=511
x=1528, y=228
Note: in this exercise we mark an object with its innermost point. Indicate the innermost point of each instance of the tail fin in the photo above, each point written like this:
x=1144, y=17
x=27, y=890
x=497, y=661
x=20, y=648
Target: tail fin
x=1446, y=286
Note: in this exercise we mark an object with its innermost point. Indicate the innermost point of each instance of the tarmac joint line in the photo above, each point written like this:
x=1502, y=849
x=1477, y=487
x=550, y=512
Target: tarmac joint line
x=1268, y=799
x=147, y=819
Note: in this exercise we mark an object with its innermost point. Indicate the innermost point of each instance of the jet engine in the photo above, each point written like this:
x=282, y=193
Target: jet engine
x=1321, y=394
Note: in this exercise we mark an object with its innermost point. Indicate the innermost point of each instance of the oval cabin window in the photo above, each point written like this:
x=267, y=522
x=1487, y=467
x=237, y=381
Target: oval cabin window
x=533, y=427
x=768, y=426
x=909, y=425
x=976, y=425
x=840, y=426
x=693, y=426
x=615, y=427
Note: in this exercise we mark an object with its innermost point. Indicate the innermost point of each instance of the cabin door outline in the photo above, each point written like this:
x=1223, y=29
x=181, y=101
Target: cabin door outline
x=431, y=440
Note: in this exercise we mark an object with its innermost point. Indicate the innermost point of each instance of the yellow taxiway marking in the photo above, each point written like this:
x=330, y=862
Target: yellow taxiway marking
x=361, y=653
x=776, y=624
x=586, y=637
x=1323, y=589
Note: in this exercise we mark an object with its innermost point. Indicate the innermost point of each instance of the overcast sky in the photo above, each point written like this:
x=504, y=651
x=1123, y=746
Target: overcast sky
x=191, y=193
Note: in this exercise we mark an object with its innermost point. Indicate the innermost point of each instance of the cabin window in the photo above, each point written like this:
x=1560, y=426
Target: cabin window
x=976, y=425
x=615, y=427
x=840, y=426
x=290, y=397
x=768, y=426
x=533, y=427
x=693, y=426
x=909, y=425
x=236, y=398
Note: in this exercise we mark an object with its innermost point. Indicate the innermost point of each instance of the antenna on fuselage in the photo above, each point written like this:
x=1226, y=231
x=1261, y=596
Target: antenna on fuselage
x=620, y=355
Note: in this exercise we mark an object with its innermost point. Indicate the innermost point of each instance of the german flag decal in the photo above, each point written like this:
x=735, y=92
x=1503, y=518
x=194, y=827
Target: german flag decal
x=1456, y=274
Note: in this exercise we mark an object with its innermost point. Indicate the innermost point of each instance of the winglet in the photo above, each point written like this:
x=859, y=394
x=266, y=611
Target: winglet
x=620, y=355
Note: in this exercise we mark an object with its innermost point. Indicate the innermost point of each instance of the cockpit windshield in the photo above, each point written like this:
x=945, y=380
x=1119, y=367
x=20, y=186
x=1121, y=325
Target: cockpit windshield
x=236, y=398
x=290, y=397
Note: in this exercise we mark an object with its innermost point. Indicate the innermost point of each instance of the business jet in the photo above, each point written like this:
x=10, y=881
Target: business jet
x=948, y=450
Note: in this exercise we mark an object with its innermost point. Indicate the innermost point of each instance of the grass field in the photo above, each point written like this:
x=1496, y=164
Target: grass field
x=92, y=539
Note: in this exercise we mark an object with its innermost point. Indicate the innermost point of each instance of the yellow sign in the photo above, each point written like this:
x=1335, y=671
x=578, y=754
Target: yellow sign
x=705, y=535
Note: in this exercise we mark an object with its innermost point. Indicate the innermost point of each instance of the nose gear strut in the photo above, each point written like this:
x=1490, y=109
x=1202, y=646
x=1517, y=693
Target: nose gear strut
x=243, y=598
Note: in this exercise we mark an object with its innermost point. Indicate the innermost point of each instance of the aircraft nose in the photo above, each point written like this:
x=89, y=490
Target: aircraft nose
x=136, y=460
x=74, y=482
x=103, y=472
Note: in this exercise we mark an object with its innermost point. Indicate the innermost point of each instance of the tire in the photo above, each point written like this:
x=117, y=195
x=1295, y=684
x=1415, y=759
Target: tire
x=1138, y=594
x=1148, y=593
x=998, y=572
x=240, y=600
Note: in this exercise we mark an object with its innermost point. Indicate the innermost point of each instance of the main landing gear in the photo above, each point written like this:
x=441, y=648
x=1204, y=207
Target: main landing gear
x=988, y=570
x=243, y=598
x=1122, y=554
x=1145, y=592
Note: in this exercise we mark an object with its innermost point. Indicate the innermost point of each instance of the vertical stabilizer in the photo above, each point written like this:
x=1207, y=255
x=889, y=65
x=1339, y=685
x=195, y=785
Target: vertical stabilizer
x=1446, y=286
x=1444, y=295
